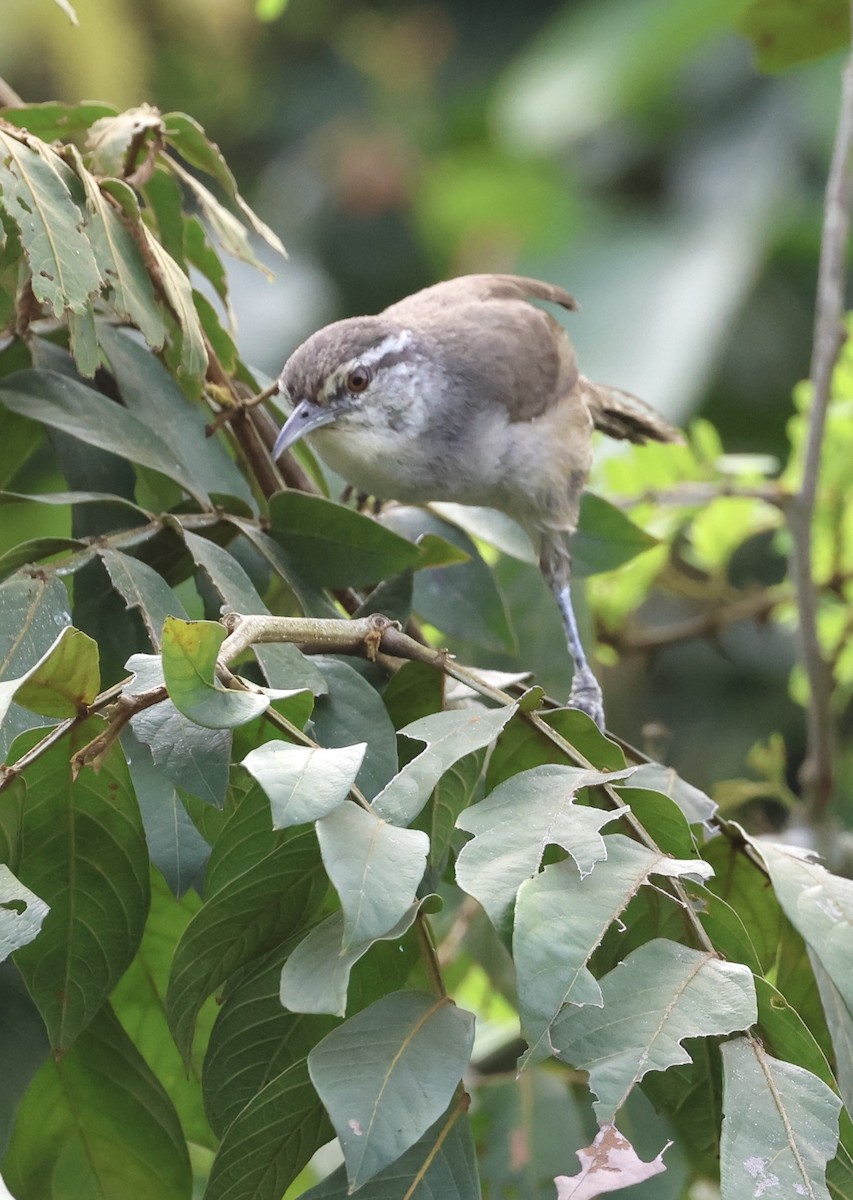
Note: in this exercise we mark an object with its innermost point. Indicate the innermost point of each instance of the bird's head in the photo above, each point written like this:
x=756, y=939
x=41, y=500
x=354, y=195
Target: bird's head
x=346, y=375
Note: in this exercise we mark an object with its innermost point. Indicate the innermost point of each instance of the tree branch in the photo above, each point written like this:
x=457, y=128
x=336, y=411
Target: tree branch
x=817, y=775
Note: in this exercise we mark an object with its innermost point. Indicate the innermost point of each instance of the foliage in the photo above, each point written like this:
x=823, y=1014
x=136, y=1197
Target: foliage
x=321, y=775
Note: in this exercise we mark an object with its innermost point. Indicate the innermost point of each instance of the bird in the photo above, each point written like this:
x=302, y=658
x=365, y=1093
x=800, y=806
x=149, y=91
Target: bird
x=468, y=391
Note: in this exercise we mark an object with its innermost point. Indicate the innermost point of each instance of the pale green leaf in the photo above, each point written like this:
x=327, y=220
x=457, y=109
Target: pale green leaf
x=190, y=140
x=316, y=975
x=303, y=782
x=63, y=270
x=283, y=665
x=659, y=995
x=192, y=757
x=132, y=293
x=449, y=736
x=21, y=913
x=432, y=1169
x=190, y=650
x=820, y=907
x=517, y=821
x=64, y=680
x=352, y=711
x=388, y=1073
x=375, y=869
x=780, y=1126
x=179, y=293
x=696, y=806
x=840, y=1023
x=560, y=919
x=33, y=612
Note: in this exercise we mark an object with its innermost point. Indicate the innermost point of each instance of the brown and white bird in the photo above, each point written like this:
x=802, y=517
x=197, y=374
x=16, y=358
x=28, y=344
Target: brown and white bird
x=467, y=392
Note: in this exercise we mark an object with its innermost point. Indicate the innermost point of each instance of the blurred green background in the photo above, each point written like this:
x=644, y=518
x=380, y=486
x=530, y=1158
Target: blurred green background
x=629, y=150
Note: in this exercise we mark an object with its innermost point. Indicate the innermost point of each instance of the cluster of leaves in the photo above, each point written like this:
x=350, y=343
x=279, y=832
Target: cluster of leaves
x=346, y=852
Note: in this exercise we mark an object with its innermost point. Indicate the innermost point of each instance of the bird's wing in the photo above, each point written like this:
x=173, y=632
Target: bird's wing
x=510, y=351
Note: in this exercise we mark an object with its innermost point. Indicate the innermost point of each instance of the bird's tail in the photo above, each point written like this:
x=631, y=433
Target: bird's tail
x=621, y=415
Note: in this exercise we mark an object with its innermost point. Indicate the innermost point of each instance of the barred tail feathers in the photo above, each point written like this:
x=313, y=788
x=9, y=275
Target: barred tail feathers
x=621, y=415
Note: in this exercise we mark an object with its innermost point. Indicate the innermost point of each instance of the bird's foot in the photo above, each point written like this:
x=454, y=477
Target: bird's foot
x=586, y=695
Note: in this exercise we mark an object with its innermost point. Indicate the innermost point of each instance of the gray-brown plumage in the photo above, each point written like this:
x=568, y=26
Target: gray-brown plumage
x=466, y=391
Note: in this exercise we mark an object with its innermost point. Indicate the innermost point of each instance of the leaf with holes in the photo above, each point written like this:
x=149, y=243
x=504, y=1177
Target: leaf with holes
x=518, y=820
x=659, y=995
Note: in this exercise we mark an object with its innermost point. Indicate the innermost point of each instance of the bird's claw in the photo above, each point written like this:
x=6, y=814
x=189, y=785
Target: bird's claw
x=586, y=695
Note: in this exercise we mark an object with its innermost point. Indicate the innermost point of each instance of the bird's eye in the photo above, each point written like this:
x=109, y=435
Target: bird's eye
x=358, y=380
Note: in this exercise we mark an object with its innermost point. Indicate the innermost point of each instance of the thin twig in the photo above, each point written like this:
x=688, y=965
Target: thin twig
x=829, y=335
x=755, y=605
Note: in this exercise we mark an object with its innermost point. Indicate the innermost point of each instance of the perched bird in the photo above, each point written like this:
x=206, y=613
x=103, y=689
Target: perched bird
x=467, y=392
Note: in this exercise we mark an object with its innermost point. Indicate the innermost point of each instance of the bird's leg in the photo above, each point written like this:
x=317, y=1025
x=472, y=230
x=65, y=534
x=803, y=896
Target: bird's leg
x=556, y=565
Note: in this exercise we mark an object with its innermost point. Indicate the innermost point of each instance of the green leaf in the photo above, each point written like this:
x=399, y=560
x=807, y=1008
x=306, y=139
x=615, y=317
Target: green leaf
x=132, y=293
x=431, y=1169
x=303, y=782
x=375, y=869
x=452, y=794
x=261, y=886
x=352, y=711
x=415, y=691
x=786, y=32
x=333, y=546
x=21, y=913
x=388, y=1073
x=316, y=975
x=780, y=1125
x=69, y=829
x=662, y=819
x=176, y=847
x=33, y=610
x=605, y=538
x=23, y=1046
x=141, y=587
x=517, y=821
x=819, y=906
x=449, y=736
x=95, y=1122
x=62, y=683
x=660, y=994
x=52, y=121
x=63, y=271
x=522, y=745
x=561, y=917
x=840, y=1023
x=696, y=806
x=191, y=350
x=312, y=600
x=230, y=232
x=139, y=1003
x=153, y=396
x=66, y=404
x=461, y=600
x=192, y=757
x=190, y=140
x=254, y=1040
x=283, y=665
x=190, y=650
x=270, y=1140
x=36, y=551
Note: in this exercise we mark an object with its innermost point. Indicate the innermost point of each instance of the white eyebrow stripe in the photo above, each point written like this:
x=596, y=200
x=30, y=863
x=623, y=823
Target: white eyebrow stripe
x=392, y=344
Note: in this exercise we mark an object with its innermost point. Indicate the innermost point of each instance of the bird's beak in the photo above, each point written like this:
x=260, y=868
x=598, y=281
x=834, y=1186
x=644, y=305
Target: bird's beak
x=305, y=418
